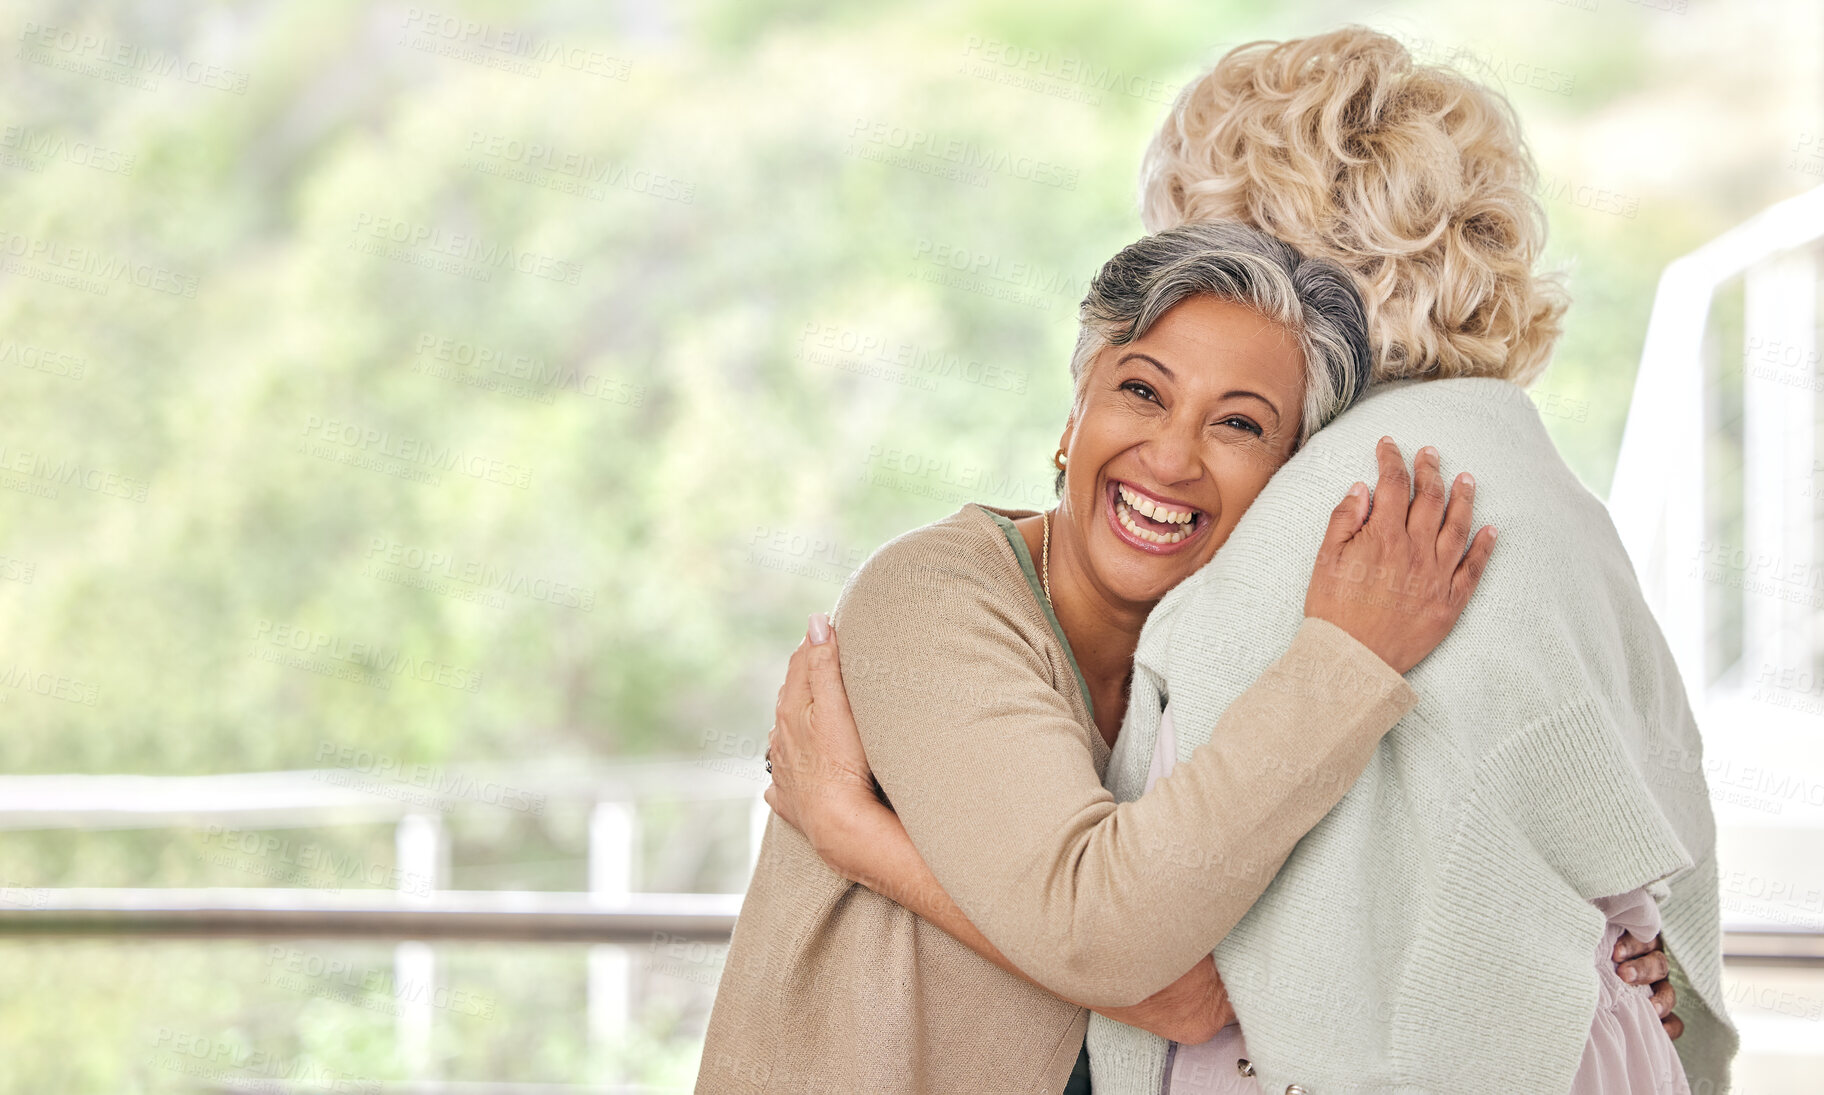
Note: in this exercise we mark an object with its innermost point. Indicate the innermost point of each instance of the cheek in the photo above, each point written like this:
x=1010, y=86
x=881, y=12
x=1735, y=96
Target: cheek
x=1097, y=440
x=1102, y=431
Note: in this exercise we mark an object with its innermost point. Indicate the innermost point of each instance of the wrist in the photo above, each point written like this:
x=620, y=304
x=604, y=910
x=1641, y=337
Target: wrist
x=845, y=820
x=1205, y=1008
x=1362, y=640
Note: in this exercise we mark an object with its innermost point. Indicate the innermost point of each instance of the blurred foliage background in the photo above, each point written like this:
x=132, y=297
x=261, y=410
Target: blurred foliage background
x=537, y=367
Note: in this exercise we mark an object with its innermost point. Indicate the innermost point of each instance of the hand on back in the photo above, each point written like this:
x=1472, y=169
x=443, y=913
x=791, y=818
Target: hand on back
x=1395, y=573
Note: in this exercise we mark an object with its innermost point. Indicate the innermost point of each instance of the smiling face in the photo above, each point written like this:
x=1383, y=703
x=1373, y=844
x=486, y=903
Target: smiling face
x=1174, y=437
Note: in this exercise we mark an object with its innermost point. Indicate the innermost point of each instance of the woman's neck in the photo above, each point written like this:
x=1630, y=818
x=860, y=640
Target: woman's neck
x=1102, y=632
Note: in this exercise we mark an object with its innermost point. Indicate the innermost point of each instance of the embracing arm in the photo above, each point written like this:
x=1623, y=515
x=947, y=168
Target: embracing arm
x=1103, y=904
x=991, y=773
x=824, y=788
x=1190, y=1010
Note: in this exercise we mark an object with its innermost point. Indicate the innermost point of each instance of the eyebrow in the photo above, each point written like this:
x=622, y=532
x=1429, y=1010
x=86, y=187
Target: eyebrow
x=1135, y=355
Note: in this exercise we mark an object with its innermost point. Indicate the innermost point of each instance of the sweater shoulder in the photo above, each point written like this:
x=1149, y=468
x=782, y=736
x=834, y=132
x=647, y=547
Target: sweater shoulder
x=963, y=555
x=946, y=599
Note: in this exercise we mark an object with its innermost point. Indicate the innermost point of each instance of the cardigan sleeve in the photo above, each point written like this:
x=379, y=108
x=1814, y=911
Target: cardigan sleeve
x=971, y=736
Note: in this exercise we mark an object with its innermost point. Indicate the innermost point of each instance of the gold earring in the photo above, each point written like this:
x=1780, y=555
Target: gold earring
x=1060, y=460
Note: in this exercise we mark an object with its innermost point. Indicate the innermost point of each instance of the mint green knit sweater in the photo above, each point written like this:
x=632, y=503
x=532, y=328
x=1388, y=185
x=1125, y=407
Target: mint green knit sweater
x=1434, y=932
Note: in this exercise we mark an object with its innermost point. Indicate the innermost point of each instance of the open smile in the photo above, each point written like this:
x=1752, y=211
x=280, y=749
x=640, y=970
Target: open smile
x=1155, y=525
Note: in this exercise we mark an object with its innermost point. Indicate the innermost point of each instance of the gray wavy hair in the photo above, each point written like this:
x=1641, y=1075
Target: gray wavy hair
x=1315, y=299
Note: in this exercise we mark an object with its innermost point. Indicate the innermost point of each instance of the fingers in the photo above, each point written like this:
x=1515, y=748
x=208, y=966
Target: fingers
x=1469, y=572
x=796, y=693
x=776, y=801
x=1454, y=535
x=1345, y=520
x=1630, y=947
x=1646, y=969
x=1644, y=962
x=1427, y=511
x=1394, y=491
x=827, y=691
x=794, y=701
x=1674, y=1026
x=839, y=740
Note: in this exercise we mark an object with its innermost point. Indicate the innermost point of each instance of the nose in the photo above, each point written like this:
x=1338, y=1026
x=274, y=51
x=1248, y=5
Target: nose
x=1172, y=455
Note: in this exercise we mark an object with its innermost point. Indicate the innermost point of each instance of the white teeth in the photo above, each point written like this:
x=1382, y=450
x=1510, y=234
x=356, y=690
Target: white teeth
x=1157, y=511
x=1127, y=522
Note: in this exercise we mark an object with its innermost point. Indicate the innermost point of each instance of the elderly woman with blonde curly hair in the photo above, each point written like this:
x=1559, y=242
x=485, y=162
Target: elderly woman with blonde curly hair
x=1479, y=911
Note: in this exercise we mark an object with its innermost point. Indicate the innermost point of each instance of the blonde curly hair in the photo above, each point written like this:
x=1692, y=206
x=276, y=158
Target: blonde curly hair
x=1411, y=176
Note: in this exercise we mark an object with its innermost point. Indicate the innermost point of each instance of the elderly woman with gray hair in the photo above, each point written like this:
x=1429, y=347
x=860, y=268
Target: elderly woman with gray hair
x=999, y=891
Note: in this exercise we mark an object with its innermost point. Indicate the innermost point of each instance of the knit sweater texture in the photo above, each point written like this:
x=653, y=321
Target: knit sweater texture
x=1434, y=932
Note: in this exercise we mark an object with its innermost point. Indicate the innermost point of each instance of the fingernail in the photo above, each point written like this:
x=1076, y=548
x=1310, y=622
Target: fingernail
x=1467, y=479
x=1428, y=449
x=1493, y=534
x=1358, y=489
x=1628, y=975
x=820, y=628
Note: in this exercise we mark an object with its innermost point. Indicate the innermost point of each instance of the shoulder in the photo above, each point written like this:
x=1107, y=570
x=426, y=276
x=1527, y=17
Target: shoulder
x=1490, y=428
x=1474, y=420
x=966, y=552
x=939, y=593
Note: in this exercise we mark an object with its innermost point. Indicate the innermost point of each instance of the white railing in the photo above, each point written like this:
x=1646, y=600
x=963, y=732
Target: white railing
x=1662, y=474
x=1738, y=591
x=1761, y=705
x=241, y=811
x=611, y=915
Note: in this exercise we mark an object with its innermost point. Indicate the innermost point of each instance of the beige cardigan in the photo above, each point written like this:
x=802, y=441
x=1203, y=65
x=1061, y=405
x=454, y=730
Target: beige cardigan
x=978, y=727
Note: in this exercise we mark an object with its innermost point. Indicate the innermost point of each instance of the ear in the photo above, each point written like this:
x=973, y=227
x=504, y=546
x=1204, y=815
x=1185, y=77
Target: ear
x=1064, y=439
x=1070, y=429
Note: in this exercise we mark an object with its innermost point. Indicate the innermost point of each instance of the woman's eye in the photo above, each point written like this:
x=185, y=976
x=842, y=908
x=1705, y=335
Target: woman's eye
x=1241, y=423
x=1140, y=390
